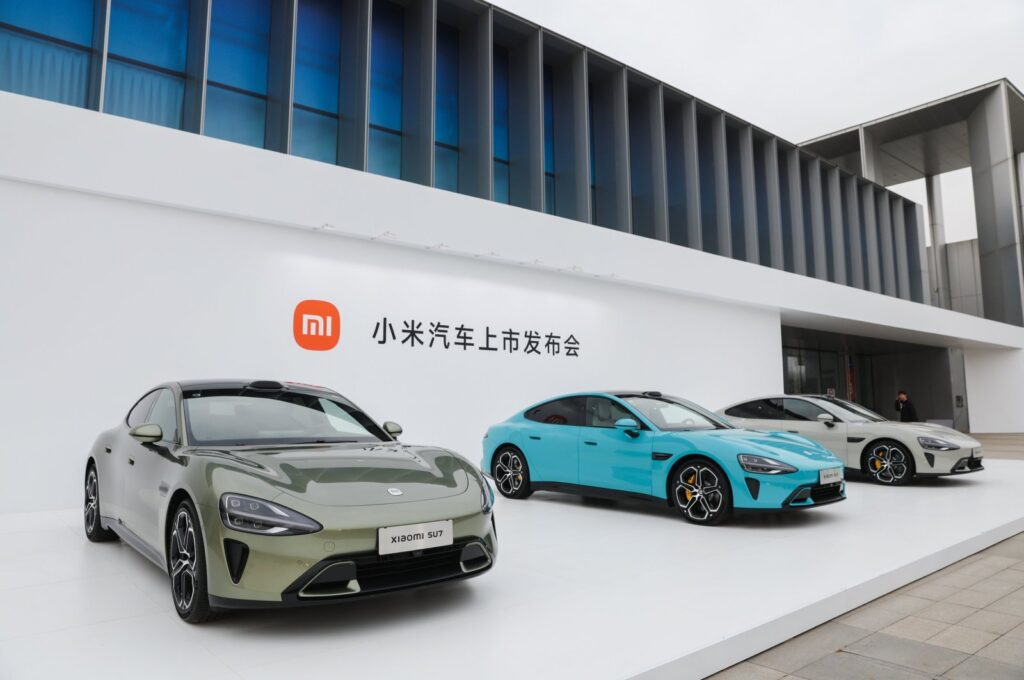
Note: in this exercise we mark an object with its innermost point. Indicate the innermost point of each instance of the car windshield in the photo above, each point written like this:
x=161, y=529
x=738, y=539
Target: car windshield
x=240, y=417
x=854, y=413
x=675, y=415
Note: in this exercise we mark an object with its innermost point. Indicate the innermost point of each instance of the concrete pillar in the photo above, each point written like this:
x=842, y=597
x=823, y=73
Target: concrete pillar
x=721, y=168
x=886, y=252
x=526, y=122
x=872, y=256
x=796, y=212
x=819, y=267
x=773, y=195
x=997, y=207
x=870, y=157
x=659, y=161
x=418, y=93
x=835, y=206
x=919, y=265
x=354, y=92
x=853, y=232
x=281, y=76
x=751, y=246
x=902, y=254
x=938, y=267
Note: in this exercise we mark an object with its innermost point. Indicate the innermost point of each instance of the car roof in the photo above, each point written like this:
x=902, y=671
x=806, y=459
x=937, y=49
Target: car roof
x=235, y=383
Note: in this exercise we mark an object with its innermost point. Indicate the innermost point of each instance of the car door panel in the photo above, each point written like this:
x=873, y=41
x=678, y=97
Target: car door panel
x=551, y=440
x=801, y=418
x=611, y=458
x=117, y=455
x=149, y=465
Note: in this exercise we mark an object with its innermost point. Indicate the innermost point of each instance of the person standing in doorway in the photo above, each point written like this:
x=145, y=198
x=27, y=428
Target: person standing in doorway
x=905, y=407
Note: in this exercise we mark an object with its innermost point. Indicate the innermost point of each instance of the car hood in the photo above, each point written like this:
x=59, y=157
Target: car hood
x=932, y=430
x=789, y=448
x=355, y=474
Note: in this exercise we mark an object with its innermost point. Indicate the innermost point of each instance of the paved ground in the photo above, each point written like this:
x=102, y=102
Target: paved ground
x=963, y=622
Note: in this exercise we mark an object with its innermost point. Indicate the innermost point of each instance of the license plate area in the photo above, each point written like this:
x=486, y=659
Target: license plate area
x=830, y=476
x=410, y=537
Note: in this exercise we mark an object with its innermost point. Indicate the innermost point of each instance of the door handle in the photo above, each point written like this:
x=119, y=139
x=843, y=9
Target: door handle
x=792, y=431
x=107, y=449
x=590, y=443
x=131, y=461
x=533, y=436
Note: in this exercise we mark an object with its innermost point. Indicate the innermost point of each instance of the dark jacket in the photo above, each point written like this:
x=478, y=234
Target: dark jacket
x=908, y=414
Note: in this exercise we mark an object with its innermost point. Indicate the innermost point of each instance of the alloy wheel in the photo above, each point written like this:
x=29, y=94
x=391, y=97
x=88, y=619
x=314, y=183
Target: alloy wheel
x=698, y=492
x=887, y=464
x=509, y=472
x=183, y=561
x=91, y=501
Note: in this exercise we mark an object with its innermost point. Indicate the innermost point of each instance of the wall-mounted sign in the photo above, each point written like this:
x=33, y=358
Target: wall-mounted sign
x=439, y=335
x=316, y=325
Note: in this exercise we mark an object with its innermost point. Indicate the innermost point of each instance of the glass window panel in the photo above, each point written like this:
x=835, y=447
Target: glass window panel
x=385, y=153
x=501, y=103
x=69, y=20
x=240, y=44
x=151, y=31
x=549, y=194
x=501, y=183
x=315, y=135
x=549, y=121
x=234, y=116
x=446, y=121
x=144, y=94
x=386, y=56
x=446, y=168
x=38, y=68
x=318, y=54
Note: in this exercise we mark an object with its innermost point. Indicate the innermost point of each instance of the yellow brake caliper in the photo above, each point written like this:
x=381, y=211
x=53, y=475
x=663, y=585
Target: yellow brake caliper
x=691, y=481
x=876, y=462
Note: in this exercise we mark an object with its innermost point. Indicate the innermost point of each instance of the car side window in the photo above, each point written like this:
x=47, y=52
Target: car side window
x=798, y=409
x=762, y=409
x=165, y=414
x=567, y=411
x=137, y=416
x=603, y=412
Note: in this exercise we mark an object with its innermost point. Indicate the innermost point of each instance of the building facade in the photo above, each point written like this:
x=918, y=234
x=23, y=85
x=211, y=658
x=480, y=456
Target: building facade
x=476, y=195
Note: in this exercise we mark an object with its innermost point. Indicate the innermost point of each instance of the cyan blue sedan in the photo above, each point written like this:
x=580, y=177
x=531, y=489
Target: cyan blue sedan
x=656, y=447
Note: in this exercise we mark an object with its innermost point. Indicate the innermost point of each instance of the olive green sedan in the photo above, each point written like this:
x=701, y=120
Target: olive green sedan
x=261, y=494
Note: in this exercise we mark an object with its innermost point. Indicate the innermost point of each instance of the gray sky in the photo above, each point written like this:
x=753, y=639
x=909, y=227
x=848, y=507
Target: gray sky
x=802, y=68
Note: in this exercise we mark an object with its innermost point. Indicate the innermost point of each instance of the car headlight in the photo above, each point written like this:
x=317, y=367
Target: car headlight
x=764, y=466
x=934, y=444
x=255, y=516
x=486, y=495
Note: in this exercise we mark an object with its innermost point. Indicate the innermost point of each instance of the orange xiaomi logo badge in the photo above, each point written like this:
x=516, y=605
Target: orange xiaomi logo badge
x=316, y=325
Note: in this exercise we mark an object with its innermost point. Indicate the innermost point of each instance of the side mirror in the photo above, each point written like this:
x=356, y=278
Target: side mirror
x=629, y=426
x=147, y=434
x=827, y=418
x=392, y=428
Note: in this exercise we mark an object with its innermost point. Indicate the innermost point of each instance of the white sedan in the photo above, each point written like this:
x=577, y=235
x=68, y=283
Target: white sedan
x=891, y=452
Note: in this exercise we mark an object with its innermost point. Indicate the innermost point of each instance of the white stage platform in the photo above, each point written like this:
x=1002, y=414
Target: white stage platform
x=581, y=589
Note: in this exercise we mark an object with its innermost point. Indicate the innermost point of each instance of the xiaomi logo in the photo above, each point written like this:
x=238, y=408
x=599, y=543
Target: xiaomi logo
x=316, y=325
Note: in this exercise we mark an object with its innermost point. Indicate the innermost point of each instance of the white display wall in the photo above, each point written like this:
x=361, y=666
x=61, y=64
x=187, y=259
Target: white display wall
x=104, y=297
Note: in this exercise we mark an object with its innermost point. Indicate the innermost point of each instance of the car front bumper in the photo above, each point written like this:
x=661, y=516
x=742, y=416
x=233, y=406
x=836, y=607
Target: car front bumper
x=801, y=489
x=957, y=462
x=254, y=571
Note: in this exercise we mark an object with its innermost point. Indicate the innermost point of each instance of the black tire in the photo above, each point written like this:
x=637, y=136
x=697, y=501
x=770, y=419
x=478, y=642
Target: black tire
x=888, y=462
x=94, y=530
x=700, y=492
x=186, y=564
x=511, y=473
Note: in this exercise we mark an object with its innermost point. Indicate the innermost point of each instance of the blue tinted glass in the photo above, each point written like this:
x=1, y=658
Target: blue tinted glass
x=69, y=20
x=315, y=136
x=386, y=65
x=385, y=153
x=318, y=54
x=240, y=44
x=549, y=194
x=151, y=31
x=501, y=182
x=500, y=104
x=549, y=121
x=235, y=117
x=42, y=69
x=446, y=168
x=446, y=122
x=144, y=94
